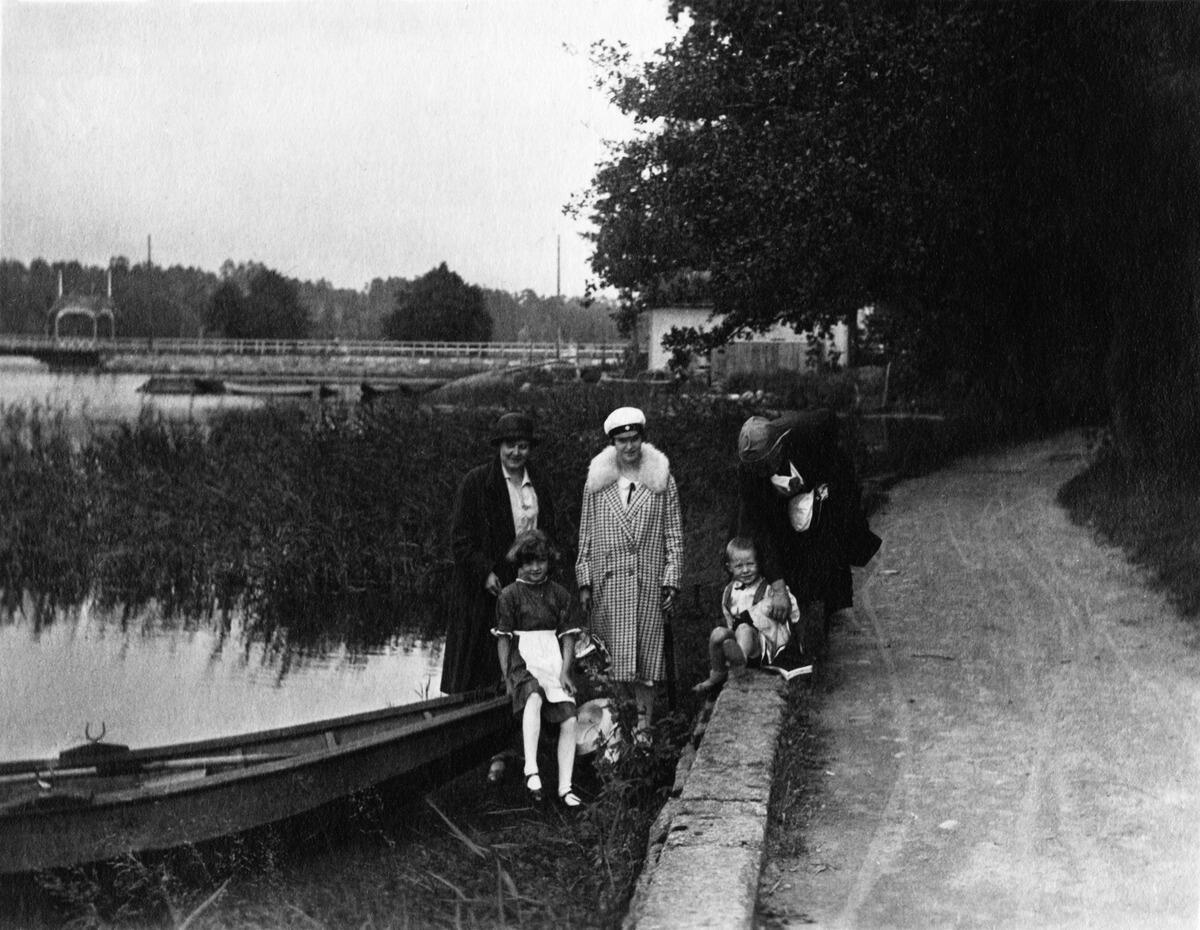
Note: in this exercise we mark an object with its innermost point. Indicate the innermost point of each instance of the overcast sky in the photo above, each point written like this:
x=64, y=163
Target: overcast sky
x=343, y=139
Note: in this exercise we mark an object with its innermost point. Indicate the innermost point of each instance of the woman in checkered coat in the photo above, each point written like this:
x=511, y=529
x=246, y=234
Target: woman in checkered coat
x=630, y=550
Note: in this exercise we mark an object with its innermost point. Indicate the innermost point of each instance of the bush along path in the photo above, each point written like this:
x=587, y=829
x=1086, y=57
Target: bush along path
x=1004, y=735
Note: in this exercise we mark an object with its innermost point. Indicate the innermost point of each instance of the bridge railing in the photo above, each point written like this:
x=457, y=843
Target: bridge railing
x=532, y=352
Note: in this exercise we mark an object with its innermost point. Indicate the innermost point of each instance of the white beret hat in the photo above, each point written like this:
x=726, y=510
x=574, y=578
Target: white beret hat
x=624, y=418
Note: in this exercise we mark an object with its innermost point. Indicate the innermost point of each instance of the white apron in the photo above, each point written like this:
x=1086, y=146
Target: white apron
x=542, y=653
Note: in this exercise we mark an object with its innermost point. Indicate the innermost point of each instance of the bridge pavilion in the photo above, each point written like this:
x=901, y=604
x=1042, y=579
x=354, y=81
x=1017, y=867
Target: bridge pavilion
x=82, y=307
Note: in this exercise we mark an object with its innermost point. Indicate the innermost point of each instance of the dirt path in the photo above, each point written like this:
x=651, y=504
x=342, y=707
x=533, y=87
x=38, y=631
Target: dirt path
x=1010, y=727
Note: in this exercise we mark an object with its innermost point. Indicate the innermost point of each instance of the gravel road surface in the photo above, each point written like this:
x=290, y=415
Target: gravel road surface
x=1008, y=728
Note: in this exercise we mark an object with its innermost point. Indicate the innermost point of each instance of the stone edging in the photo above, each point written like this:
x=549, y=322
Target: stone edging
x=706, y=847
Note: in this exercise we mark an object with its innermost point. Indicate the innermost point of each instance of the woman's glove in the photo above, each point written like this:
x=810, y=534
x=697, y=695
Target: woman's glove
x=779, y=607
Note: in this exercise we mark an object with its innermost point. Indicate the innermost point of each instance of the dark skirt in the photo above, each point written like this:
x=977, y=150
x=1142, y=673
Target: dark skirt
x=469, y=659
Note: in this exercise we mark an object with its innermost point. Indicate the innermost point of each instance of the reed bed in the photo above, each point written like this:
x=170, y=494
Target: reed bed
x=324, y=524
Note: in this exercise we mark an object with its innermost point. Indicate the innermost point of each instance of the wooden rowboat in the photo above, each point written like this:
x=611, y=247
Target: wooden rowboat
x=101, y=800
x=408, y=387
x=182, y=384
x=279, y=389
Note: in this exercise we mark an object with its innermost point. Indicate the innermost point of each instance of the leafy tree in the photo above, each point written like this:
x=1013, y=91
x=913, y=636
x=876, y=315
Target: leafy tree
x=439, y=306
x=272, y=309
x=26, y=295
x=226, y=308
x=973, y=169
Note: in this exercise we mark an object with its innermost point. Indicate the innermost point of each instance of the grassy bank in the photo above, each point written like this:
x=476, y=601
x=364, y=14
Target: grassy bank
x=461, y=856
x=1154, y=517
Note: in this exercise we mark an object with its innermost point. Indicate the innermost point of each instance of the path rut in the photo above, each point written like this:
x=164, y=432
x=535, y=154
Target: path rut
x=1010, y=724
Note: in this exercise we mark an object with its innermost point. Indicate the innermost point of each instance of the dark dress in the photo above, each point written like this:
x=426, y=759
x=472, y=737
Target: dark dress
x=547, y=609
x=481, y=533
x=815, y=564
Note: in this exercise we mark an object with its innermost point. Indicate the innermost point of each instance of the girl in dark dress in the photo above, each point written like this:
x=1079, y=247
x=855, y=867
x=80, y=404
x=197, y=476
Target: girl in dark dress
x=535, y=640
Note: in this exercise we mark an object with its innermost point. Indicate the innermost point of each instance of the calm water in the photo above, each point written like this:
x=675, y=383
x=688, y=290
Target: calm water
x=101, y=398
x=151, y=681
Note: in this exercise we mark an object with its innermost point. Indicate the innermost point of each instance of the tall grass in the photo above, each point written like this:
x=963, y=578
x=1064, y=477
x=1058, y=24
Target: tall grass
x=325, y=524
x=329, y=524
x=1154, y=516
x=47, y=496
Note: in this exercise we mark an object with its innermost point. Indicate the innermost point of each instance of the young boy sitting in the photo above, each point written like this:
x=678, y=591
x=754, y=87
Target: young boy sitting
x=748, y=633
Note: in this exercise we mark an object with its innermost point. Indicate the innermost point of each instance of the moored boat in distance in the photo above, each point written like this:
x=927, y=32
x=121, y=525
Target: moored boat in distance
x=279, y=389
x=182, y=384
x=101, y=801
x=406, y=387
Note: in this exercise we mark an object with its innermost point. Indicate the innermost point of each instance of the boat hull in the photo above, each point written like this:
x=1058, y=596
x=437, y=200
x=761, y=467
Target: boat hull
x=281, y=389
x=183, y=807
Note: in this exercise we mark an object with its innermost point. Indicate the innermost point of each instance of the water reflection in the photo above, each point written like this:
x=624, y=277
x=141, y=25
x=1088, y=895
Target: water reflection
x=153, y=676
x=100, y=399
x=153, y=680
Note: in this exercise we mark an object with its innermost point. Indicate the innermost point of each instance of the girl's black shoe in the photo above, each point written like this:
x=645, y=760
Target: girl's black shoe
x=533, y=784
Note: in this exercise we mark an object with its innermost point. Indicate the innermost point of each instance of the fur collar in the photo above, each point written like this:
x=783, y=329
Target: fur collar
x=653, y=472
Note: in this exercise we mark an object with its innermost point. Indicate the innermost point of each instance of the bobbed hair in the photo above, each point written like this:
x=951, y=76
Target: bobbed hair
x=531, y=546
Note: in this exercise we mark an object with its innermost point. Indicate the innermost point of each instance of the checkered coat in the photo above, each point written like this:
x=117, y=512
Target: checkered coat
x=626, y=556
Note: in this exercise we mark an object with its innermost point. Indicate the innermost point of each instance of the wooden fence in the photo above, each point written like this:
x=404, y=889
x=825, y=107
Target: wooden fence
x=532, y=352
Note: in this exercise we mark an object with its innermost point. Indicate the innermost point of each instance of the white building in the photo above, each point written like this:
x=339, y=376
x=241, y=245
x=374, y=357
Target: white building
x=780, y=348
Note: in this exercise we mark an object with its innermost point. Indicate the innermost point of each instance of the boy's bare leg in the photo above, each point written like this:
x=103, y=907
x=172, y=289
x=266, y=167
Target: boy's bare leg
x=749, y=642
x=718, y=662
x=735, y=655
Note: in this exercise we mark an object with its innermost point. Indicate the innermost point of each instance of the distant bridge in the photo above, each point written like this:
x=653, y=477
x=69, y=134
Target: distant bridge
x=86, y=352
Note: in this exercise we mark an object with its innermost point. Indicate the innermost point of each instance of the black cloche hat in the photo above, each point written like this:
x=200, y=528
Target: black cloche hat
x=512, y=427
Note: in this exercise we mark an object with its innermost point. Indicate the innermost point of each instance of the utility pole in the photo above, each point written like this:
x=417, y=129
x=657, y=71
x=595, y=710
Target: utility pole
x=558, y=271
x=149, y=261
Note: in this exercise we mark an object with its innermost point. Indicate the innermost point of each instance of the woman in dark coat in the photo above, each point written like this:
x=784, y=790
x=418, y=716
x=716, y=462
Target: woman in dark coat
x=799, y=499
x=494, y=502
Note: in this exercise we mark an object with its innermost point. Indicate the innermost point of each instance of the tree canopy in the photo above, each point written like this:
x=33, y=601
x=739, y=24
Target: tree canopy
x=439, y=306
x=270, y=307
x=971, y=170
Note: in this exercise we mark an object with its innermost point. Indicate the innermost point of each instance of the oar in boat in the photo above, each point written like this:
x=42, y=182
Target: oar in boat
x=133, y=767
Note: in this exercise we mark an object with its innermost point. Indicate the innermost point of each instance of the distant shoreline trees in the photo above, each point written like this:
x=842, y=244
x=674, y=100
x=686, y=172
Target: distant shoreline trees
x=163, y=302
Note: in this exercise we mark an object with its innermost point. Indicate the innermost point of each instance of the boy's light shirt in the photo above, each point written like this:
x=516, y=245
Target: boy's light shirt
x=741, y=598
